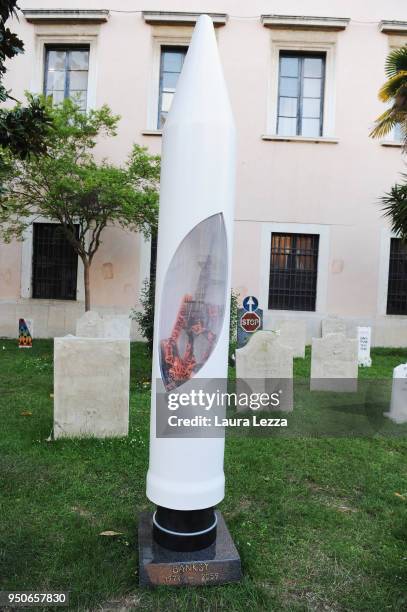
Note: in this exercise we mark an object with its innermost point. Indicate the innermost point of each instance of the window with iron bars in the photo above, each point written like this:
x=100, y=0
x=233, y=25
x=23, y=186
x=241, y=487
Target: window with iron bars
x=397, y=287
x=55, y=264
x=293, y=271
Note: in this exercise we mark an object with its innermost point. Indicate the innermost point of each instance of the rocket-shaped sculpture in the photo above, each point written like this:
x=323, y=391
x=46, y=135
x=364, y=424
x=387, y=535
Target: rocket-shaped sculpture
x=191, y=329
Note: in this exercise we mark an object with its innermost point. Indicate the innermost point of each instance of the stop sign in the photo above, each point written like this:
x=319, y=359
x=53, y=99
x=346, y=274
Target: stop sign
x=249, y=322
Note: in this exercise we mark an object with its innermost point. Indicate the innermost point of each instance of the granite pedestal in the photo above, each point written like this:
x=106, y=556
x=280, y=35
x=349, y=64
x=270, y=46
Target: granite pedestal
x=217, y=564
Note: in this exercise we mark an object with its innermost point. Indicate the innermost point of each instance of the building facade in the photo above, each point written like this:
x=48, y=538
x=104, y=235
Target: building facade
x=303, y=76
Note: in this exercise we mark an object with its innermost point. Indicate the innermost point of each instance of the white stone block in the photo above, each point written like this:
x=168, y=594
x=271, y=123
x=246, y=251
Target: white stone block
x=398, y=406
x=333, y=325
x=91, y=387
x=364, y=336
x=334, y=363
x=293, y=333
x=265, y=365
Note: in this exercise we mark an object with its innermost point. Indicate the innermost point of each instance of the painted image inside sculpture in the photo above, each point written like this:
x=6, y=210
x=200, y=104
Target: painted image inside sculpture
x=189, y=338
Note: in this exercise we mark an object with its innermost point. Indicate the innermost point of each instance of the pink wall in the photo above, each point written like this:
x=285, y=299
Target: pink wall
x=335, y=185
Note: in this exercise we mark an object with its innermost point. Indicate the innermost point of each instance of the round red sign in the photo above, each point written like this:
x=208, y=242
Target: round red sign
x=250, y=321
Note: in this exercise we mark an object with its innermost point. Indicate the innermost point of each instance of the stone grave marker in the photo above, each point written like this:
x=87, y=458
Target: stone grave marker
x=265, y=365
x=334, y=363
x=398, y=405
x=91, y=387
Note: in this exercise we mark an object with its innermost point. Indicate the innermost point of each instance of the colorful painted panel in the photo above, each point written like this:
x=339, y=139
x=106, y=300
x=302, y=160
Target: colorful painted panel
x=25, y=335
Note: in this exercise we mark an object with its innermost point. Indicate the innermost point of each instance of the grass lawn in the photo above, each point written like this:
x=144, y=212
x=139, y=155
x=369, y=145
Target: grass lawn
x=320, y=524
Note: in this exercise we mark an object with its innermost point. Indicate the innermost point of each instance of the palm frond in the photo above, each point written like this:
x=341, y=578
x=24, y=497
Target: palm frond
x=395, y=207
x=394, y=86
x=393, y=91
x=384, y=124
x=396, y=61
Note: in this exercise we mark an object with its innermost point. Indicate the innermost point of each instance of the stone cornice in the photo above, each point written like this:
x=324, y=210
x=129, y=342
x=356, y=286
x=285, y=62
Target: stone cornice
x=65, y=15
x=180, y=18
x=304, y=23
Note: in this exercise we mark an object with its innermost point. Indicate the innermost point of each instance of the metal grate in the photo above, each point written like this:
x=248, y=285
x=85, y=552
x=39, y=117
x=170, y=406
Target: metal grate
x=293, y=271
x=397, y=288
x=55, y=263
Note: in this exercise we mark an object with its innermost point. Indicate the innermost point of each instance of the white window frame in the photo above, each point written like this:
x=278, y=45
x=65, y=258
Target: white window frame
x=27, y=265
x=43, y=40
x=323, y=264
x=154, y=95
x=328, y=119
x=394, y=43
x=69, y=35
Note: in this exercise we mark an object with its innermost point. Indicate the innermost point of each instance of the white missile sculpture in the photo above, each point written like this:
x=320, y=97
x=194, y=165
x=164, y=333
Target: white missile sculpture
x=191, y=329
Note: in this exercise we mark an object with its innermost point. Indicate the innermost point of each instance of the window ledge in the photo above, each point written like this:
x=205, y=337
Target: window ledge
x=274, y=312
x=181, y=18
x=152, y=132
x=393, y=27
x=304, y=23
x=66, y=16
x=50, y=301
x=391, y=143
x=320, y=139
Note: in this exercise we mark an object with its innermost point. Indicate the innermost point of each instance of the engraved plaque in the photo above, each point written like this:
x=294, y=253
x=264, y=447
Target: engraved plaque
x=217, y=564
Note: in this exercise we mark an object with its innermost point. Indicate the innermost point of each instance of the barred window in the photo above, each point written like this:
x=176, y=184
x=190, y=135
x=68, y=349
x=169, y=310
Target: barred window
x=172, y=60
x=293, y=271
x=300, y=94
x=397, y=288
x=55, y=264
x=66, y=74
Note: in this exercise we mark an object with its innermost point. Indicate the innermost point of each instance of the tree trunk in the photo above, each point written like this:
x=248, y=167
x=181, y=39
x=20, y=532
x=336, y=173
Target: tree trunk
x=86, y=269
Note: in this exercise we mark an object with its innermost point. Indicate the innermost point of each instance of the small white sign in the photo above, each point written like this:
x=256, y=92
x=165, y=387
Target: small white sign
x=364, y=342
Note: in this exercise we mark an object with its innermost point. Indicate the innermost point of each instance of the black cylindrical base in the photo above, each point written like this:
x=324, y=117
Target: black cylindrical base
x=184, y=530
